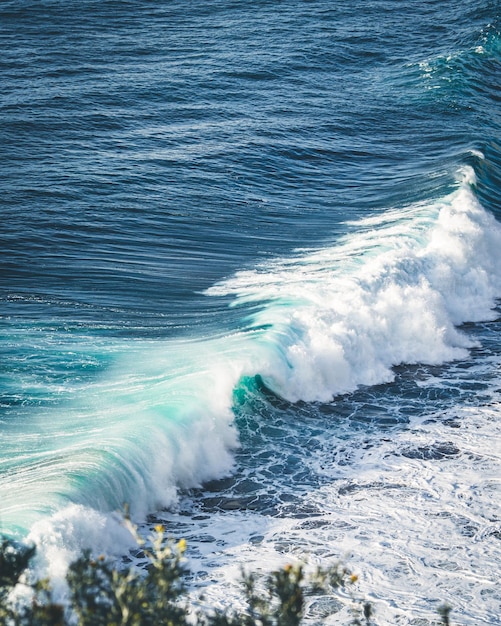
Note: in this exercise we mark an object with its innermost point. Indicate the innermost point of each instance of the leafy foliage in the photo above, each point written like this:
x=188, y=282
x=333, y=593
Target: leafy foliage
x=103, y=595
x=14, y=559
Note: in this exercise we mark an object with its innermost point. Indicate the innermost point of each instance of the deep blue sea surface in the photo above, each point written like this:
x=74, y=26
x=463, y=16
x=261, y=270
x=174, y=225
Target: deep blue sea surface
x=250, y=269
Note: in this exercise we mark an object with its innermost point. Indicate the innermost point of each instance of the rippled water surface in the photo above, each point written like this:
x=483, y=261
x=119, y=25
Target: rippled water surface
x=249, y=281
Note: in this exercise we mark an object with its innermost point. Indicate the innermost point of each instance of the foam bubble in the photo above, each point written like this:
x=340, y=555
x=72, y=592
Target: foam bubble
x=59, y=539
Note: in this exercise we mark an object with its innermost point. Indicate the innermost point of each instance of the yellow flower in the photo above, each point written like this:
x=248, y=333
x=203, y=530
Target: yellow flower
x=159, y=528
x=353, y=578
x=182, y=545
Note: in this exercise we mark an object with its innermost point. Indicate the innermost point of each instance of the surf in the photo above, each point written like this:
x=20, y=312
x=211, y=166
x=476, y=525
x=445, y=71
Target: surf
x=395, y=289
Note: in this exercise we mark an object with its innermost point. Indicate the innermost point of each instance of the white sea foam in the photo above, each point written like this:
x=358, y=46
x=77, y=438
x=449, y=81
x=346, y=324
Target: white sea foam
x=415, y=514
x=392, y=292
x=61, y=538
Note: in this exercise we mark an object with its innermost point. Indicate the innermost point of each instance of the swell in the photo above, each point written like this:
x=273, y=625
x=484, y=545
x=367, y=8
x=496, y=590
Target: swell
x=393, y=290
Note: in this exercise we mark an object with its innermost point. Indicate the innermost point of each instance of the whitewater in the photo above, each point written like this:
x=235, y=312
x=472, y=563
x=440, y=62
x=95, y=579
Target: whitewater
x=250, y=270
x=323, y=323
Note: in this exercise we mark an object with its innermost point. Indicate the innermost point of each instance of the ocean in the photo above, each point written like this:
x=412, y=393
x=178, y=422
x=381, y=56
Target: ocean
x=250, y=270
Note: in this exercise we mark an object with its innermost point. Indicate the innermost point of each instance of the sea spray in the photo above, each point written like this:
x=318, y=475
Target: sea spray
x=392, y=292
x=160, y=421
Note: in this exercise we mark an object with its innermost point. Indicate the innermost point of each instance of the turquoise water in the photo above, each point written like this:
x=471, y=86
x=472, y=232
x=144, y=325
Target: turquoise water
x=249, y=276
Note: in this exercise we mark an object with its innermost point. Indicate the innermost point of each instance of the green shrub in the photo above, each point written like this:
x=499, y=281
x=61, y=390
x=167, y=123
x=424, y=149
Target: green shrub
x=102, y=595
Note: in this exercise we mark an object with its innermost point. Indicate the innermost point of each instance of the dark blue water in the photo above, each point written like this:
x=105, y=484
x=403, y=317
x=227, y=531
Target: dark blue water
x=248, y=253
